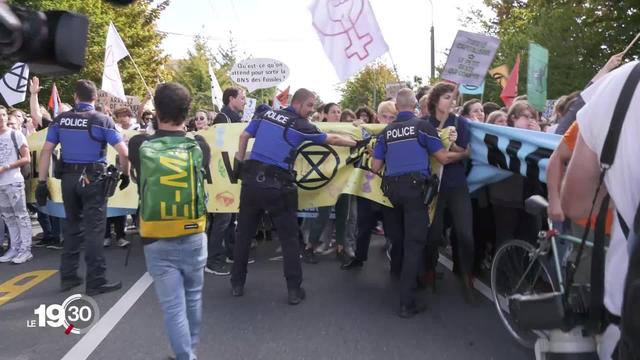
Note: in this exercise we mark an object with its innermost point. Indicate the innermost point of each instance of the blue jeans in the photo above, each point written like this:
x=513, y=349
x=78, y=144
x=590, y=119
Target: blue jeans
x=177, y=266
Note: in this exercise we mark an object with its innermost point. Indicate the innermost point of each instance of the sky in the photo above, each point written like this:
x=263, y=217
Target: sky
x=282, y=30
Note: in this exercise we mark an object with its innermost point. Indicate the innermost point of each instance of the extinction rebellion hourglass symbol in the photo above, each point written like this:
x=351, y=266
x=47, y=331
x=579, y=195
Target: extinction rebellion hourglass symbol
x=344, y=16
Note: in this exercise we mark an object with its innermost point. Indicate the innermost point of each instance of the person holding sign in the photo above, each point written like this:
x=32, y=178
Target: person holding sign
x=404, y=146
x=268, y=184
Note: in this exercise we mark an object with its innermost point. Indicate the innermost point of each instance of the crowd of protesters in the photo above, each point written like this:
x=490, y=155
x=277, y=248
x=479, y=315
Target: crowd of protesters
x=469, y=226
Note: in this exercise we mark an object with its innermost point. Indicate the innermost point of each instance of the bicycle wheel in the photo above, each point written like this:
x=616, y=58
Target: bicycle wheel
x=509, y=276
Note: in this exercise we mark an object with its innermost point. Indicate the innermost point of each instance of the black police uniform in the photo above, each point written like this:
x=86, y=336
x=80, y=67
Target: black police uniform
x=405, y=146
x=268, y=184
x=83, y=135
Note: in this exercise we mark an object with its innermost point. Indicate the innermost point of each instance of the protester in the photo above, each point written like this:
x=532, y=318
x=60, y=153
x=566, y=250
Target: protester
x=201, y=120
x=268, y=185
x=332, y=112
x=176, y=263
x=621, y=181
x=365, y=115
x=14, y=154
x=124, y=119
x=233, y=99
x=403, y=146
x=473, y=110
x=83, y=135
x=369, y=211
x=497, y=117
x=423, y=105
x=489, y=107
x=347, y=116
x=453, y=196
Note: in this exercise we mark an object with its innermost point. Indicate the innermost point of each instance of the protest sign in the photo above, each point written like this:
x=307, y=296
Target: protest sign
x=249, y=109
x=469, y=58
x=112, y=102
x=393, y=88
x=471, y=89
x=261, y=73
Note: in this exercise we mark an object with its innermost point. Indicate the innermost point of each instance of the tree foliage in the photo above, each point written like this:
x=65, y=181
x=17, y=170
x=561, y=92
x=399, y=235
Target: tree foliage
x=367, y=87
x=581, y=35
x=136, y=25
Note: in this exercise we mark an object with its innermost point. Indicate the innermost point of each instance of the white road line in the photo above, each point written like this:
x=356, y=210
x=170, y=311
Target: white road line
x=89, y=342
x=479, y=285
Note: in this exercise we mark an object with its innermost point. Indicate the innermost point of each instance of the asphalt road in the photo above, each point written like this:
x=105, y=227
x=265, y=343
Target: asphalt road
x=347, y=315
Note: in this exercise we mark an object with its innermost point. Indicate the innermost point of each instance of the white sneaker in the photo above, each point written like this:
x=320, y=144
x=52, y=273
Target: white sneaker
x=9, y=255
x=107, y=242
x=22, y=257
x=122, y=242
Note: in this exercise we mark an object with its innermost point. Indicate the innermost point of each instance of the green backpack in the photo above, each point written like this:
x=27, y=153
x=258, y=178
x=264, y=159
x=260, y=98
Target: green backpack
x=172, y=196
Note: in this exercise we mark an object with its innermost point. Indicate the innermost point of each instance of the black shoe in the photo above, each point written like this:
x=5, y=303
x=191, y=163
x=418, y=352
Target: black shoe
x=68, y=284
x=352, y=264
x=220, y=269
x=105, y=288
x=44, y=242
x=55, y=245
x=407, y=312
x=237, y=291
x=309, y=257
x=296, y=296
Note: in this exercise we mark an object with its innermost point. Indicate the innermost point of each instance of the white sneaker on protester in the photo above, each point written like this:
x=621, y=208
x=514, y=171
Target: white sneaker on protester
x=107, y=242
x=22, y=257
x=9, y=255
x=122, y=242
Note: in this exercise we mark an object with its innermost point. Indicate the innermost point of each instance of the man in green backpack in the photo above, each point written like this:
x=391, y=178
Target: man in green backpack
x=169, y=170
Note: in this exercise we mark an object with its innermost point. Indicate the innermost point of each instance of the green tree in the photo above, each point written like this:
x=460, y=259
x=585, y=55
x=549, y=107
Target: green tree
x=367, y=87
x=136, y=25
x=581, y=35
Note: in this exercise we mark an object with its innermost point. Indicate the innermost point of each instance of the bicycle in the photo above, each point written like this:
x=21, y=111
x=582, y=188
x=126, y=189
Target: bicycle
x=519, y=268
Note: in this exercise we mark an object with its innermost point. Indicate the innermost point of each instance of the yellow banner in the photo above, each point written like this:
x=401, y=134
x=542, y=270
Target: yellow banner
x=323, y=171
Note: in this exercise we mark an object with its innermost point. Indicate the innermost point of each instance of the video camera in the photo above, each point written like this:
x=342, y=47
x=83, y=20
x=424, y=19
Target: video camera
x=51, y=42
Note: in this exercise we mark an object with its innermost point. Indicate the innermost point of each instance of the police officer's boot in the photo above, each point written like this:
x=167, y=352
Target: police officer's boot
x=104, y=288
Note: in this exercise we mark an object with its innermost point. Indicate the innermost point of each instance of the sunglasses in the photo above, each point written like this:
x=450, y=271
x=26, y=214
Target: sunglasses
x=202, y=118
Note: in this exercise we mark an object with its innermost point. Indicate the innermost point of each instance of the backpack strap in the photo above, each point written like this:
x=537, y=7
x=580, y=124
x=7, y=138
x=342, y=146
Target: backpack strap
x=15, y=143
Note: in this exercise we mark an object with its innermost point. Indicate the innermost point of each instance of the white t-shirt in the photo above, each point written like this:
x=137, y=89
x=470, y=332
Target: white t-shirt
x=623, y=178
x=8, y=156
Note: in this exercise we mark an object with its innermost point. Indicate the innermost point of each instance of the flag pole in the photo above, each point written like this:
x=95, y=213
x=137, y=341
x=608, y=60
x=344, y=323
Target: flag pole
x=393, y=63
x=139, y=73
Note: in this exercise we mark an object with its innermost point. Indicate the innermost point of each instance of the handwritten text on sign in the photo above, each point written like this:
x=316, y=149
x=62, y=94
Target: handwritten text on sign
x=261, y=73
x=470, y=58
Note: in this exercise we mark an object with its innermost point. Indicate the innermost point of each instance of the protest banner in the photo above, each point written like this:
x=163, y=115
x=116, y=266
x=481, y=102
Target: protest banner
x=260, y=73
x=537, y=76
x=13, y=85
x=324, y=172
x=469, y=58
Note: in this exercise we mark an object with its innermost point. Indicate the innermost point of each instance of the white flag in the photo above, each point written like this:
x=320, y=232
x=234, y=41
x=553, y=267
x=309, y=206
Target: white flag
x=114, y=51
x=349, y=33
x=13, y=85
x=216, y=90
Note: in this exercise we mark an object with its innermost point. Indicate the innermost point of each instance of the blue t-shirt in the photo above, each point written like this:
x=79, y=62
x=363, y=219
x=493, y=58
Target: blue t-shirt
x=83, y=135
x=453, y=175
x=278, y=134
x=405, y=145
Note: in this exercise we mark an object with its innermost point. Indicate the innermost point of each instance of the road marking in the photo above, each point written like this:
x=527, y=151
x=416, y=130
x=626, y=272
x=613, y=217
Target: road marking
x=479, y=285
x=21, y=283
x=83, y=348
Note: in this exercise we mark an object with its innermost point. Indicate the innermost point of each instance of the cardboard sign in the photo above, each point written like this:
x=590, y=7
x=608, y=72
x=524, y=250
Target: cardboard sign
x=470, y=57
x=393, y=88
x=109, y=101
x=261, y=73
x=249, y=109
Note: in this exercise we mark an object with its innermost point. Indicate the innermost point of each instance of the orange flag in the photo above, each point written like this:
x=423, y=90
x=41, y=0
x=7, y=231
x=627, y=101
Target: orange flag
x=510, y=91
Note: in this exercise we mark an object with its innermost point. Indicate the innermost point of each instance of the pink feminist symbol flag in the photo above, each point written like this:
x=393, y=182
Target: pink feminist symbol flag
x=349, y=33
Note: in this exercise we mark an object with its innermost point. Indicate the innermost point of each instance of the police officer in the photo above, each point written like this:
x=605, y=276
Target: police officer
x=405, y=146
x=268, y=185
x=83, y=135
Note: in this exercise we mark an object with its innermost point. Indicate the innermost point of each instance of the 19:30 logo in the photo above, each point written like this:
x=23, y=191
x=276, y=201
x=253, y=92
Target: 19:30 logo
x=77, y=314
